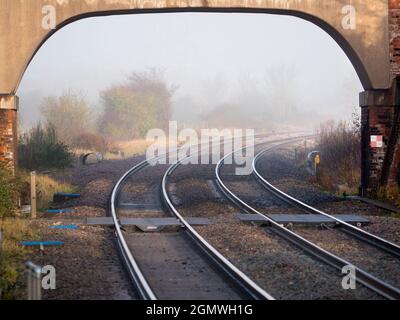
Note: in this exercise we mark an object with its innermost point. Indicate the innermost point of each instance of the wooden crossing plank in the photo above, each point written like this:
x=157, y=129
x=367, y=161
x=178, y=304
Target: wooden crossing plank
x=100, y=221
x=147, y=224
x=303, y=218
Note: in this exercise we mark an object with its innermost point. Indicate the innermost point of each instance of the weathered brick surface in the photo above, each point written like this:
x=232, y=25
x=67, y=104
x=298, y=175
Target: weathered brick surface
x=394, y=33
x=380, y=116
x=394, y=176
x=375, y=121
x=394, y=30
x=8, y=137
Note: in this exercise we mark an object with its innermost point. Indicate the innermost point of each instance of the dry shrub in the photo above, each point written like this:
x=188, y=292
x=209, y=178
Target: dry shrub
x=389, y=194
x=340, y=147
x=133, y=147
x=46, y=186
x=92, y=142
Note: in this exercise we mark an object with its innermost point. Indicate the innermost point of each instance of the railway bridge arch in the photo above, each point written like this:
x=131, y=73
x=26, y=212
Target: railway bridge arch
x=367, y=30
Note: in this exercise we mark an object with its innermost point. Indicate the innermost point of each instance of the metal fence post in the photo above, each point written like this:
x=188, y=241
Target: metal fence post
x=34, y=277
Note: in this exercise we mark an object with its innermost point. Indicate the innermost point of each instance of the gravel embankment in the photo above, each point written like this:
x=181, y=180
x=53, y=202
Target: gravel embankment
x=95, y=182
x=370, y=259
x=87, y=265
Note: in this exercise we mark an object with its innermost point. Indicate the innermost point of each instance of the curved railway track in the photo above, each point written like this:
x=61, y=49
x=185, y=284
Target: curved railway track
x=226, y=272
x=379, y=286
x=144, y=290
x=362, y=235
x=240, y=284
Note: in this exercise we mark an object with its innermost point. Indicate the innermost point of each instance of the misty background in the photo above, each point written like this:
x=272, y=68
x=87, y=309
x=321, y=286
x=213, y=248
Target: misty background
x=250, y=68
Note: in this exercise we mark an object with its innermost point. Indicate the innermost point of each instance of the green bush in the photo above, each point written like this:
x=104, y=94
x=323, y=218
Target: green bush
x=8, y=193
x=13, y=256
x=133, y=108
x=40, y=149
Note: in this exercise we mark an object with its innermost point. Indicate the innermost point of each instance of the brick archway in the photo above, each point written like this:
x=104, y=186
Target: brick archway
x=371, y=41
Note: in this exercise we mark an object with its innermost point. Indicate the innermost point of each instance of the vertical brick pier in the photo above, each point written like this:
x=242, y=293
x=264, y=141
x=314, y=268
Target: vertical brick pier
x=381, y=117
x=8, y=131
x=394, y=33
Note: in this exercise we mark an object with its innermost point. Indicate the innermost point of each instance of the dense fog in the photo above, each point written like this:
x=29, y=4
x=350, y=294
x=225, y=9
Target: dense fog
x=234, y=70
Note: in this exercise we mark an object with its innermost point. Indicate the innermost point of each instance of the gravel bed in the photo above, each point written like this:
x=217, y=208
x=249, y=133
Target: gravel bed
x=87, y=265
x=368, y=258
x=283, y=174
x=353, y=207
x=95, y=182
x=383, y=223
x=139, y=192
x=283, y=270
x=290, y=179
x=191, y=192
x=78, y=213
x=386, y=227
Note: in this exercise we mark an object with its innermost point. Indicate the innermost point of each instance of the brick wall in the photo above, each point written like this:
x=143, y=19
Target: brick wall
x=394, y=30
x=8, y=135
x=375, y=121
x=394, y=33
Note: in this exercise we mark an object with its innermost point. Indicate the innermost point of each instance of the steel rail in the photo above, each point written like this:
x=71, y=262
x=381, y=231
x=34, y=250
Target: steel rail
x=141, y=284
x=362, y=235
x=241, y=279
x=377, y=285
x=136, y=274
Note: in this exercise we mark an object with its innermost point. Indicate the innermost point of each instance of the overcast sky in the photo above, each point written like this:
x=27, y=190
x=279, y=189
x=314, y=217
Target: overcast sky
x=91, y=54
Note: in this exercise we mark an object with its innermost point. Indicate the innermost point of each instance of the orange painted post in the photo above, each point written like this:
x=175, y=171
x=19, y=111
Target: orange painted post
x=317, y=162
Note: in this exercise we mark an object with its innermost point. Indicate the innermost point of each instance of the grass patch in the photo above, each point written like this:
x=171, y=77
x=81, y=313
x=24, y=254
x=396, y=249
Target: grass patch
x=389, y=194
x=46, y=186
x=133, y=147
x=129, y=148
x=13, y=256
